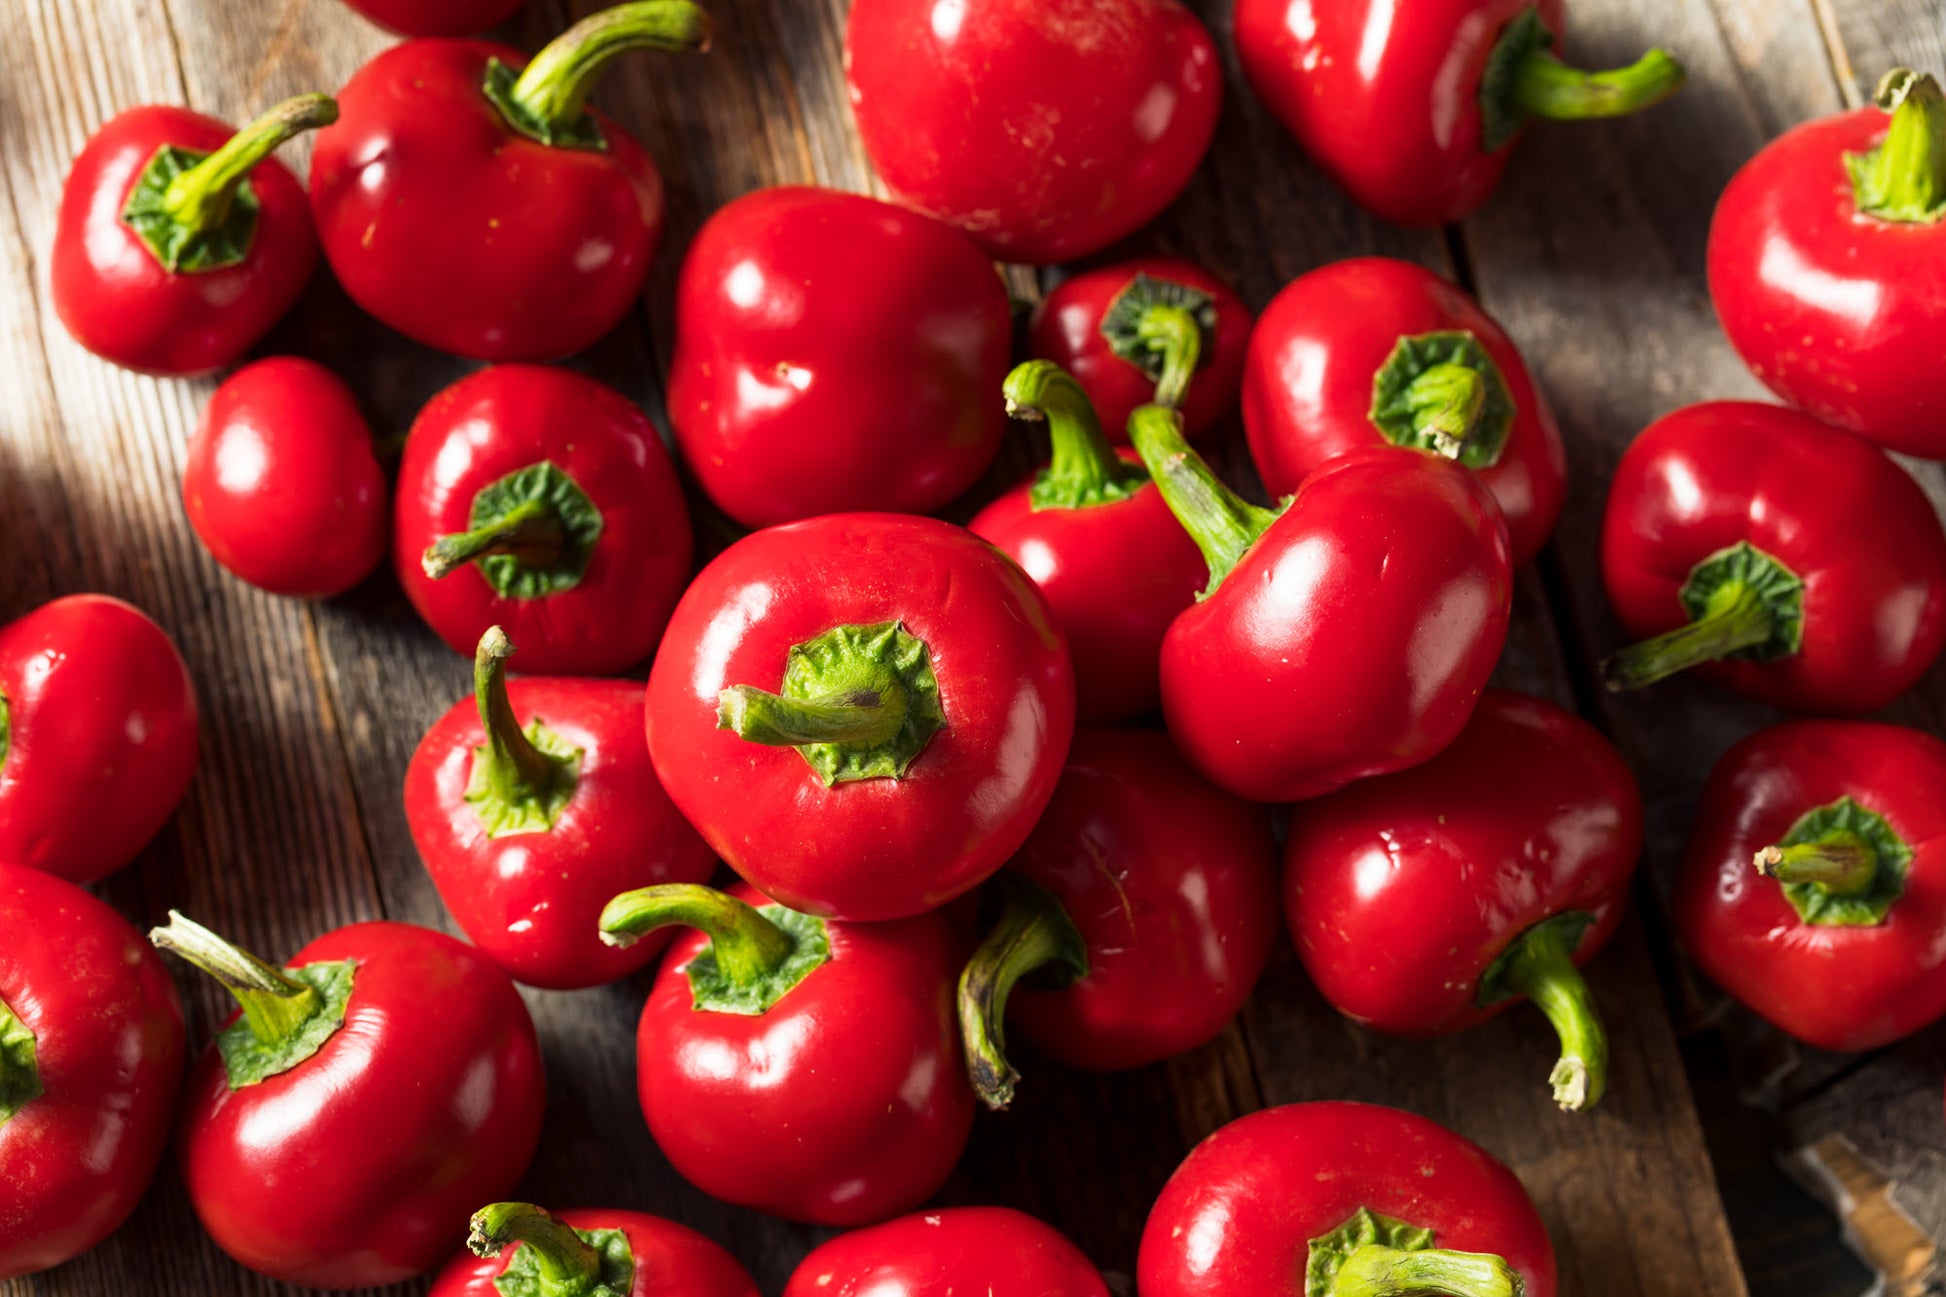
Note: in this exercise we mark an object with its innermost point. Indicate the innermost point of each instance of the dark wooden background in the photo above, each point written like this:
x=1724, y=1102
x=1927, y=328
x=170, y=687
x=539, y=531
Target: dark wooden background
x=1592, y=255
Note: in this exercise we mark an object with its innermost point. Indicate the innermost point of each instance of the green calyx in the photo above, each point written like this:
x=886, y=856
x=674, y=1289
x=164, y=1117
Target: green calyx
x=553, y=1259
x=532, y=534
x=1377, y=1256
x=1742, y=604
x=20, y=1073
x=6, y=729
x=1539, y=964
x=1442, y=392
x=1840, y=865
x=1164, y=329
x=196, y=211
x=1523, y=79
x=521, y=780
x=858, y=702
x=1222, y=523
x=755, y=957
x=1034, y=932
x=1085, y=471
x=547, y=100
x=1904, y=178
x=288, y=1013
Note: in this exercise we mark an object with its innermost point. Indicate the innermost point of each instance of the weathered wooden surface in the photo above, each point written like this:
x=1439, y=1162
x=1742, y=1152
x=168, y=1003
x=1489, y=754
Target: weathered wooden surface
x=1592, y=255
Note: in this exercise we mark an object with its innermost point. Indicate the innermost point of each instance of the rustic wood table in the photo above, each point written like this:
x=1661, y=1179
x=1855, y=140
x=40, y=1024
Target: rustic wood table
x=1592, y=255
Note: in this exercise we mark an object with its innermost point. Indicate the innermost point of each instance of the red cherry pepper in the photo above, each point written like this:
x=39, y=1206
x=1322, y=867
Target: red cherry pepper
x=1413, y=106
x=282, y=484
x=1155, y=329
x=1827, y=264
x=470, y=199
x=801, y=1066
x=1369, y=351
x=924, y=705
x=1345, y=635
x=835, y=353
x=1343, y=1200
x=528, y=832
x=541, y=500
x=1046, y=129
x=521, y=1251
x=97, y=736
x=1427, y=901
x=437, y=17
x=1151, y=892
x=1100, y=543
x=1814, y=889
x=180, y=241
x=991, y=1251
x=91, y=1052
x=339, y=1130
x=1775, y=554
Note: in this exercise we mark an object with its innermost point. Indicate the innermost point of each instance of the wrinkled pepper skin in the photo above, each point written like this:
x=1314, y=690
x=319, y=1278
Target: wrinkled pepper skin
x=669, y=1260
x=377, y=1164
x=833, y=354
x=282, y=483
x=437, y=17
x=873, y=848
x=1308, y=385
x=1834, y=511
x=1839, y=986
x=1238, y=1216
x=1046, y=129
x=1067, y=330
x=108, y=1057
x=101, y=714
x=992, y=1251
x=498, y=421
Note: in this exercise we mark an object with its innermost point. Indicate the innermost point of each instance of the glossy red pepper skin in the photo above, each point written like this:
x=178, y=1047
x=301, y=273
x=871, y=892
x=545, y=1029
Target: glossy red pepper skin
x=835, y=353
x=377, y=1161
x=1115, y=576
x=109, y=1052
x=1528, y=814
x=1046, y=129
x=844, y=1103
x=1067, y=331
x=1352, y=639
x=1237, y=1217
x=437, y=17
x=1307, y=384
x=443, y=221
x=877, y=848
x=282, y=484
x=1837, y=311
x=992, y=1251
x=498, y=421
x=1835, y=987
x=671, y=1260
x=1845, y=519
x=101, y=713
x=530, y=900
x=121, y=303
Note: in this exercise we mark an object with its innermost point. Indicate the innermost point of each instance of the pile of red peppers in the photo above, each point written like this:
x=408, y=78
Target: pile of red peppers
x=1014, y=775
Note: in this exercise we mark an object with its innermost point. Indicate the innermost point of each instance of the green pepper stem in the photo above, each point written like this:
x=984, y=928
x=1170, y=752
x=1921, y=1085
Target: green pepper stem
x=1447, y=401
x=1223, y=524
x=1543, y=86
x=555, y=85
x=1904, y=178
x=1540, y=966
x=532, y=531
x=1034, y=931
x=513, y=768
x=1084, y=468
x=1174, y=334
x=275, y=1004
x=748, y=946
x=200, y=197
x=865, y=716
x=1378, y=1271
x=1736, y=618
x=568, y=1266
x=1841, y=868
